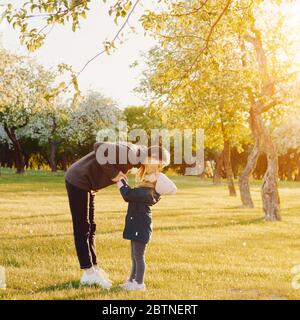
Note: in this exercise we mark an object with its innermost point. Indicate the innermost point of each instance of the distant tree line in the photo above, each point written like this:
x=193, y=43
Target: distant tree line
x=56, y=153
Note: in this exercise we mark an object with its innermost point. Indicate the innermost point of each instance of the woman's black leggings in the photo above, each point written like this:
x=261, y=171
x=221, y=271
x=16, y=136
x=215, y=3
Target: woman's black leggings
x=84, y=226
x=138, y=261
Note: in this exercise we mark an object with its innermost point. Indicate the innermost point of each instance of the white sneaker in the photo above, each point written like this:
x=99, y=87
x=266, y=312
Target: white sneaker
x=126, y=284
x=134, y=286
x=102, y=273
x=94, y=278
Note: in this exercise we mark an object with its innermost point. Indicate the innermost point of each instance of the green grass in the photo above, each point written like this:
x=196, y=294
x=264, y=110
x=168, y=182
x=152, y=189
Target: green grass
x=204, y=245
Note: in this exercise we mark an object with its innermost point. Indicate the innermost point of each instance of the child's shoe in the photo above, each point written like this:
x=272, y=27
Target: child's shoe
x=126, y=284
x=95, y=278
x=134, y=286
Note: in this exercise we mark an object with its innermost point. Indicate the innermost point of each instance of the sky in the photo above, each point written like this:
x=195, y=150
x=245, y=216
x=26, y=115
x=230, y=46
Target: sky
x=109, y=74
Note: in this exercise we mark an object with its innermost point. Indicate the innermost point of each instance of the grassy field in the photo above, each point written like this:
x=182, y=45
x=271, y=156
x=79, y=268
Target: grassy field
x=204, y=245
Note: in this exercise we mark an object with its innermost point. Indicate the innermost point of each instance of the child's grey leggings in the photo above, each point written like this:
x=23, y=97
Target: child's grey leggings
x=138, y=261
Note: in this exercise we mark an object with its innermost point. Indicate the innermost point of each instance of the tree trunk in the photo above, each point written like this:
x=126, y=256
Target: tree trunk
x=270, y=195
x=228, y=168
x=203, y=173
x=227, y=153
x=218, y=169
x=74, y=158
x=244, y=184
x=19, y=159
x=52, y=158
x=64, y=161
x=289, y=167
x=269, y=192
x=298, y=165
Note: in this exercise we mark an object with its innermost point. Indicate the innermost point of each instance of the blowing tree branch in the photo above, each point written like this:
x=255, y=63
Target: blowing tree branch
x=207, y=41
x=191, y=12
x=113, y=40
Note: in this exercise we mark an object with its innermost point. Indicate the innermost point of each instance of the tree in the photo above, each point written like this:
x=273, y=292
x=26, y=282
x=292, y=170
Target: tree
x=93, y=113
x=69, y=126
x=274, y=79
x=143, y=117
x=196, y=38
x=49, y=128
x=287, y=140
x=199, y=86
x=54, y=12
x=23, y=84
x=36, y=18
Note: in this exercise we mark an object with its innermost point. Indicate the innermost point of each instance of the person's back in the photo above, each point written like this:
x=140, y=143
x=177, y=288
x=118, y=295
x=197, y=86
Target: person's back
x=88, y=174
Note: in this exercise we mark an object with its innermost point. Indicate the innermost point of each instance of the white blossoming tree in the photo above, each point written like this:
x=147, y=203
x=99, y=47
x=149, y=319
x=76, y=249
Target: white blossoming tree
x=287, y=140
x=93, y=113
x=23, y=84
x=66, y=127
x=49, y=127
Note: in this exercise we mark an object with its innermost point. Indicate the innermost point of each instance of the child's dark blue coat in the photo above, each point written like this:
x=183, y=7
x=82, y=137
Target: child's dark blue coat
x=138, y=222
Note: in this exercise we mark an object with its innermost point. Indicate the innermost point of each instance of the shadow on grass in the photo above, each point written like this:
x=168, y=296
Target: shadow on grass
x=213, y=225
x=53, y=235
x=34, y=216
x=37, y=236
x=76, y=285
x=192, y=211
x=57, y=215
x=179, y=228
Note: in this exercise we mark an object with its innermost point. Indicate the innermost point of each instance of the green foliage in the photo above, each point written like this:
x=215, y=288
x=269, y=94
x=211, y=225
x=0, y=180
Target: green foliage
x=287, y=135
x=140, y=117
x=203, y=68
x=206, y=90
x=54, y=12
x=23, y=84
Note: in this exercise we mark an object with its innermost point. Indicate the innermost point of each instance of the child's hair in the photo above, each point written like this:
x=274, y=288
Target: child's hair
x=157, y=158
x=160, y=154
x=144, y=170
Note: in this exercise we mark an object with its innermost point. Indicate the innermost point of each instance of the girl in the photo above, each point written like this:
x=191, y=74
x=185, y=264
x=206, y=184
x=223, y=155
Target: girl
x=138, y=224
